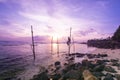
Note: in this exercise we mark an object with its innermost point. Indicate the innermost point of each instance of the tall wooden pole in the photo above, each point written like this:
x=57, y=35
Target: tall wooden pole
x=57, y=47
x=52, y=45
x=33, y=45
x=70, y=32
x=73, y=45
x=69, y=41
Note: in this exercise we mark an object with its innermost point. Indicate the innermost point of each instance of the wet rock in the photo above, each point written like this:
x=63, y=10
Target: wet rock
x=103, y=55
x=43, y=69
x=8, y=79
x=68, y=68
x=105, y=60
x=98, y=74
x=108, y=77
x=119, y=67
x=114, y=60
x=79, y=55
x=57, y=65
x=117, y=76
x=13, y=78
x=72, y=74
x=88, y=75
x=90, y=56
x=56, y=77
x=85, y=62
x=72, y=58
x=100, y=62
x=115, y=64
x=41, y=76
x=73, y=54
x=18, y=79
x=99, y=68
x=77, y=66
x=109, y=69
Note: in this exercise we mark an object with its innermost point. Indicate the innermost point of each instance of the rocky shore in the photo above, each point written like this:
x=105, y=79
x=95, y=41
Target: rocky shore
x=97, y=64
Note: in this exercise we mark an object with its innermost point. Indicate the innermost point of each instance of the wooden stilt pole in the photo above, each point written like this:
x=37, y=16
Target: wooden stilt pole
x=33, y=45
x=69, y=42
x=52, y=45
x=57, y=47
x=73, y=45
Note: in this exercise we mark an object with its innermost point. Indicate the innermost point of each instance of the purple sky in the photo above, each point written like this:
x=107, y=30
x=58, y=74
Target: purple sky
x=88, y=18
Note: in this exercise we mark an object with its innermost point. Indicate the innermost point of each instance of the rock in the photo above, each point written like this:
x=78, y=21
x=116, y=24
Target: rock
x=119, y=67
x=98, y=55
x=109, y=69
x=100, y=62
x=85, y=62
x=56, y=77
x=42, y=69
x=68, y=68
x=87, y=75
x=72, y=74
x=105, y=60
x=79, y=55
x=98, y=74
x=115, y=64
x=8, y=79
x=57, y=65
x=41, y=76
x=117, y=76
x=114, y=60
x=73, y=54
x=99, y=68
x=90, y=56
x=72, y=58
x=12, y=78
x=103, y=55
x=108, y=77
x=77, y=66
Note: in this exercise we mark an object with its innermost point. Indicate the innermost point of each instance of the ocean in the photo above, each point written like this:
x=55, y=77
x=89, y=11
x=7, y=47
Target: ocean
x=16, y=60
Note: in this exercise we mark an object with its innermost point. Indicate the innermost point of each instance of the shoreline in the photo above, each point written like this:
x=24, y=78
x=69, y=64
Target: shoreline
x=107, y=57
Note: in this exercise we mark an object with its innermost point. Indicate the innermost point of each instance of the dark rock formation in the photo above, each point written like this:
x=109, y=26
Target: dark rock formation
x=116, y=36
x=108, y=77
x=99, y=68
x=108, y=43
x=109, y=69
x=117, y=76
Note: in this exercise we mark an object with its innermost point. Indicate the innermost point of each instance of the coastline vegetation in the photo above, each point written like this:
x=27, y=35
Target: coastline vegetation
x=108, y=43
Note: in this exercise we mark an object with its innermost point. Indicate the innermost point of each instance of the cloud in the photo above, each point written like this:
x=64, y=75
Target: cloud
x=90, y=34
x=55, y=17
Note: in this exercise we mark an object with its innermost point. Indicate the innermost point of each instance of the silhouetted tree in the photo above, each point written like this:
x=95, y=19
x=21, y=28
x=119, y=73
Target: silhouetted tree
x=116, y=36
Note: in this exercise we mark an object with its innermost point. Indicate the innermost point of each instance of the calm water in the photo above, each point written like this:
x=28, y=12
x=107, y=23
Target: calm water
x=18, y=59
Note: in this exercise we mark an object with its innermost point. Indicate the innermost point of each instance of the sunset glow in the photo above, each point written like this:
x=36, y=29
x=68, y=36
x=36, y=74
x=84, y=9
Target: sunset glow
x=88, y=18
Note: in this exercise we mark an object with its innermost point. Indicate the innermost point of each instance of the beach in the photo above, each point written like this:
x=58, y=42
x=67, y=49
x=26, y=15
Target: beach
x=45, y=60
x=102, y=63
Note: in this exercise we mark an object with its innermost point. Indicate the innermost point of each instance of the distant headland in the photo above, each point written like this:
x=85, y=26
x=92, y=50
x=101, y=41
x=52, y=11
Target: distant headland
x=108, y=43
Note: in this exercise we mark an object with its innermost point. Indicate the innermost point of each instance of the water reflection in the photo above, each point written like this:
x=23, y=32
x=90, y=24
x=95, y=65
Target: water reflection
x=18, y=58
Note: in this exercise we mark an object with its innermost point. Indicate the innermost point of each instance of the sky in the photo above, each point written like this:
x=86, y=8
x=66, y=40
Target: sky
x=89, y=19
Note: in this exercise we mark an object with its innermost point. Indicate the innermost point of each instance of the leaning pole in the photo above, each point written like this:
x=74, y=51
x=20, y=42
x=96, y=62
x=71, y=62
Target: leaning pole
x=33, y=45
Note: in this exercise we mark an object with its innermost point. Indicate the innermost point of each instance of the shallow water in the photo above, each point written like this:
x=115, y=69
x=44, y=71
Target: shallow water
x=18, y=59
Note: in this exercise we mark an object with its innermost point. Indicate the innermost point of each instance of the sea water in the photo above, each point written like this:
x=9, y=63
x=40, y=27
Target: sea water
x=17, y=60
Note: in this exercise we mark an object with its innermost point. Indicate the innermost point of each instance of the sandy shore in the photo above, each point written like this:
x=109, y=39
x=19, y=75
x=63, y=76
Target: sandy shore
x=112, y=54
